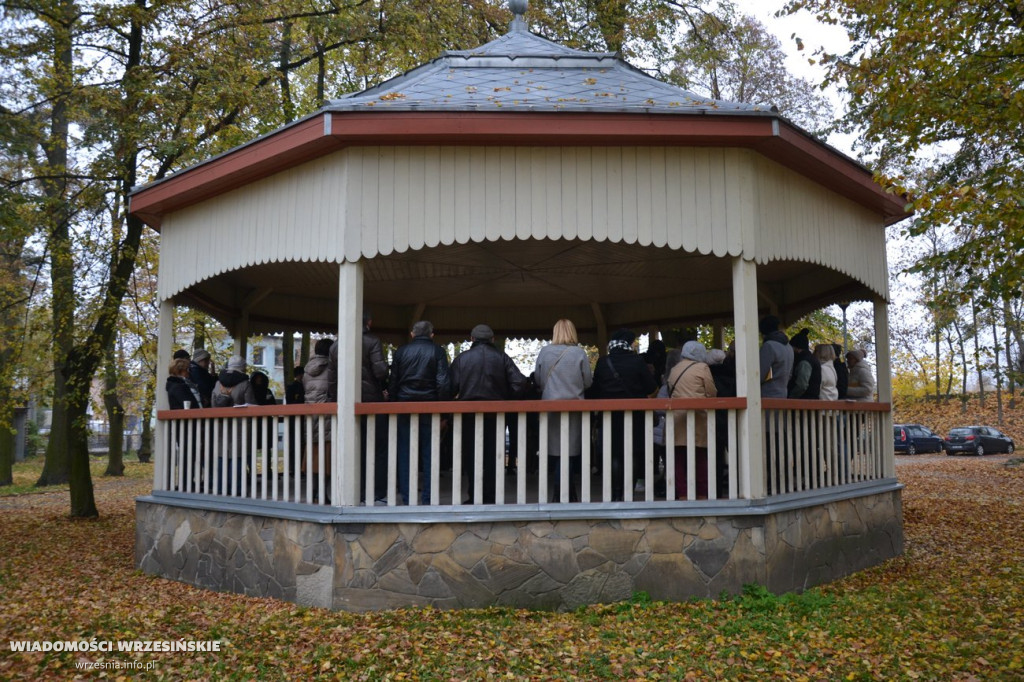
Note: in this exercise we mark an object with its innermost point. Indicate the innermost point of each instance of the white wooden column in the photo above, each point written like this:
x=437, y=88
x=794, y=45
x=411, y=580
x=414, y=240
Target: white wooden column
x=884, y=384
x=164, y=343
x=748, y=379
x=345, y=471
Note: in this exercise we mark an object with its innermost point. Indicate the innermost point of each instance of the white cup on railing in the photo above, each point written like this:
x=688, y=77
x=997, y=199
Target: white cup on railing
x=188, y=404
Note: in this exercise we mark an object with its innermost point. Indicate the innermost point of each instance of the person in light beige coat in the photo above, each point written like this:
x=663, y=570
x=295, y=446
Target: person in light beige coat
x=691, y=378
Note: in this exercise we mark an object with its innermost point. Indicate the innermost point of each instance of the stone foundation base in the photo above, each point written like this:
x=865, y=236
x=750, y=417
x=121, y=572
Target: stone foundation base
x=533, y=564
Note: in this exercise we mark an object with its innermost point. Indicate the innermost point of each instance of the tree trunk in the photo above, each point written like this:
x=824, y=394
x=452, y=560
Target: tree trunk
x=962, y=348
x=287, y=105
x=976, y=333
x=1011, y=374
x=7, y=442
x=146, y=439
x=115, y=416
x=56, y=466
x=999, y=378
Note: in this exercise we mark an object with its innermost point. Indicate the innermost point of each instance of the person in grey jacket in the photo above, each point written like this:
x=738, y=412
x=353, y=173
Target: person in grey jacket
x=563, y=373
x=316, y=381
x=776, y=359
x=232, y=388
x=862, y=377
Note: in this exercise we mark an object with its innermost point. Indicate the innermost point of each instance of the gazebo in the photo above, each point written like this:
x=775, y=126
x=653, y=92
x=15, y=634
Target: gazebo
x=516, y=184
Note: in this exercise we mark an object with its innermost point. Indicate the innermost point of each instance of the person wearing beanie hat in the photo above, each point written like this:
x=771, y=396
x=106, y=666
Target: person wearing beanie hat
x=624, y=374
x=776, y=359
x=232, y=389
x=181, y=354
x=200, y=373
x=483, y=373
x=805, y=380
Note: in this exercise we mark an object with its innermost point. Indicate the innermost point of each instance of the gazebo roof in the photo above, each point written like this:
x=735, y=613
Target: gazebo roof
x=521, y=71
x=669, y=185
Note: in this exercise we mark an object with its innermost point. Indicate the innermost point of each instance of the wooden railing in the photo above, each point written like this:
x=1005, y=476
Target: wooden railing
x=283, y=453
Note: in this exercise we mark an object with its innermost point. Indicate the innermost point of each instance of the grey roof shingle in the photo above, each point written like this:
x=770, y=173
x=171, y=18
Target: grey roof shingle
x=521, y=71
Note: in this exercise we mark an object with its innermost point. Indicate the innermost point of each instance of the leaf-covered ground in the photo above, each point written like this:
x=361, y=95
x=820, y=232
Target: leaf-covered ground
x=952, y=608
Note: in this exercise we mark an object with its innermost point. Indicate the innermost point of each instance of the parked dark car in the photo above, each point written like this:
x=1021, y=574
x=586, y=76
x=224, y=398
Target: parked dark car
x=914, y=438
x=977, y=440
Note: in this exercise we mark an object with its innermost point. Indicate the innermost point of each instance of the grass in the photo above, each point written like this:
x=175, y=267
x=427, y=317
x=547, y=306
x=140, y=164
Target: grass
x=26, y=473
x=950, y=608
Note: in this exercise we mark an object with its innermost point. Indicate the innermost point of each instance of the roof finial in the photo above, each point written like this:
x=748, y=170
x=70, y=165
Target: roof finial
x=518, y=8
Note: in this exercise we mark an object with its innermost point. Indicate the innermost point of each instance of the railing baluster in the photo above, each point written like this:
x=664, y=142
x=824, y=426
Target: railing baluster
x=563, y=458
x=414, y=459
x=499, y=458
x=649, y=464
x=691, y=455
x=543, y=462
x=606, y=454
x=435, y=460
x=732, y=446
x=711, y=422
x=670, y=455
x=457, y=422
x=585, y=455
x=521, y=463
x=392, y=497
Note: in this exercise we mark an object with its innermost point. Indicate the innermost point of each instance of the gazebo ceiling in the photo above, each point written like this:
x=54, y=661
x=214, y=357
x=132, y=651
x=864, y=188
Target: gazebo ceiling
x=520, y=288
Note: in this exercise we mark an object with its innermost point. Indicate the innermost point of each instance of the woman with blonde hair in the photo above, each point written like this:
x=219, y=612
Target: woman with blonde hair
x=563, y=373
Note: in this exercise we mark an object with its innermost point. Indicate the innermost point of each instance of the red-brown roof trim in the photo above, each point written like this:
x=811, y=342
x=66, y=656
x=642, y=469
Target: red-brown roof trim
x=327, y=132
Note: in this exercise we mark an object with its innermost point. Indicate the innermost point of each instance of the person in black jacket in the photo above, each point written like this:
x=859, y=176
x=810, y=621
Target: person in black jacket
x=180, y=388
x=483, y=373
x=374, y=390
x=183, y=394
x=200, y=372
x=624, y=374
x=419, y=372
x=805, y=381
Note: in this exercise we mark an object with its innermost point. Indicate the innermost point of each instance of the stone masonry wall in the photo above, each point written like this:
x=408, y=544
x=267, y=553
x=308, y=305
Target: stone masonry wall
x=538, y=564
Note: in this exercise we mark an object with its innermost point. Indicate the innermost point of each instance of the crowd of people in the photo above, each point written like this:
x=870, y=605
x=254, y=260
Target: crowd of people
x=420, y=371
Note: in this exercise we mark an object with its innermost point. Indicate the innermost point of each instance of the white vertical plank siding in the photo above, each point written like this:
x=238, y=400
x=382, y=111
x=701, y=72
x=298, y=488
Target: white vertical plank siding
x=507, y=204
x=367, y=201
x=446, y=194
x=431, y=208
x=382, y=195
x=415, y=192
x=585, y=196
x=552, y=162
x=568, y=174
x=495, y=200
x=524, y=199
x=659, y=216
x=599, y=199
x=538, y=189
x=628, y=226
x=478, y=194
